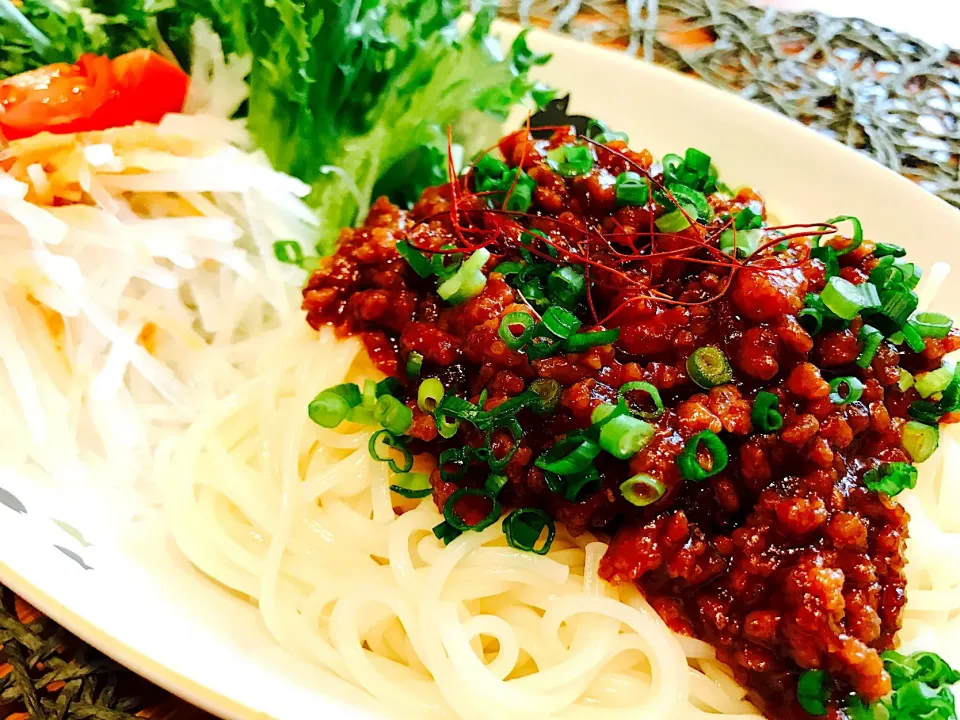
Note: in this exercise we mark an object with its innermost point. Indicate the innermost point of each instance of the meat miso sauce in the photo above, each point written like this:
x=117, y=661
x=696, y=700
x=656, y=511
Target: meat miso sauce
x=578, y=333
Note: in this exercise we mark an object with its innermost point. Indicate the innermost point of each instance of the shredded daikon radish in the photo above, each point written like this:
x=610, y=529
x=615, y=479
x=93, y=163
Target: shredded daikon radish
x=138, y=255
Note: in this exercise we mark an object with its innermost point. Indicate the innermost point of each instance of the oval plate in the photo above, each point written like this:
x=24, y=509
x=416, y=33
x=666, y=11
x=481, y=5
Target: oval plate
x=106, y=568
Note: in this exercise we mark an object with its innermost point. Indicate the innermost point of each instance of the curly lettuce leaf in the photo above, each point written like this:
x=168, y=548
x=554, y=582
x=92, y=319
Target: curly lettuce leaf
x=362, y=86
x=351, y=96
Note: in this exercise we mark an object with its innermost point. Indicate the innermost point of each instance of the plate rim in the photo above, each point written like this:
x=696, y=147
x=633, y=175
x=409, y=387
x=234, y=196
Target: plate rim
x=217, y=703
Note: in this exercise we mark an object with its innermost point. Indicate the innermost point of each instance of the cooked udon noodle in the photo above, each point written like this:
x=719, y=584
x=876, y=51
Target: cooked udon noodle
x=160, y=308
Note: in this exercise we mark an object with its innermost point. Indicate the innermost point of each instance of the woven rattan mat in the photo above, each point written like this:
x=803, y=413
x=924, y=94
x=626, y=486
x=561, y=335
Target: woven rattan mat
x=888, y=95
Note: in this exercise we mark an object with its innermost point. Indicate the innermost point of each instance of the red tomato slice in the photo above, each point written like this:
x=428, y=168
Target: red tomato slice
x=94, y=94
x=60, y=98
x=149, y=86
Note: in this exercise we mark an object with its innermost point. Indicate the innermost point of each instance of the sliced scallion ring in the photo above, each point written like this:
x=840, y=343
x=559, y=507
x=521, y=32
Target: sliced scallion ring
x=524, y=526
x=932, y=324
x=624, y=436
x=920, y=440
x=845, y=300
x=708, y=367
x=411, y=484
x=560, y=322
x=845, y=390
x=935, y=381
x=586, y=340
x=688, y=461
x=391, y=441
x=651, y=390
x=857, y=238
x=570, y=455
x=508, y=326
x=765, y=415
x=870, y=339
x=642, y=490
x=676, y=220
x=580, y=486
x=456, y=521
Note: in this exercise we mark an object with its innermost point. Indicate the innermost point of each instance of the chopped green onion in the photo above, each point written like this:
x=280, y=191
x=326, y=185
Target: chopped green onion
x=524, y=526
x=911, y=273
x=925, y=411
x=571, y=455
x=885, y=249
x=897, y=303
x=441, y=268
x=920, y=440
x=857, y=238
x=521, y=319
x=393, y=415
x=601, y=132
x=828, y=256
x=570, y=160
x=845, y=300
x=672, y=165
x=456, y=457
x=675, y=220
x=391, y=441
x=811, y=317
x=708, y=367
x=522, y=196
x=332, y=406
x=689, y=463
x=288, y=251
x=565, y=286
x=765, y=415
x=580, y=486
x=905, y=382
x=494, y=484
x=560, y=323
x=414, y=364
x=468, y=281
x=930, y=383
x=547, y=392
x=447, y=427
x=748, y=219
x=812, y=692
x=411, y=485
x=511, y=267
x=925, y=667
x=642, y=490
x=587, y=340
x=845, y=390
x=542, y=344
x=490, y=167
x=457, y=522
x=625, y=435
x=891, y=478
x=870, y=338
x=605, y=412
x=686, y=196
x=369, y=394
x=932, y=324
x=697, y=162
x=746, y=242
x=446, y=532
x=516, y=432
x=415, y=259
x=631, y=189
x=913, y=338
x=430, y=394
x=649, y=390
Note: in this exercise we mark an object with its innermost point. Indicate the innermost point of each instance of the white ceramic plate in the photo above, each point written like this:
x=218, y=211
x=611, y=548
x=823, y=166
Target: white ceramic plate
x=126, y=589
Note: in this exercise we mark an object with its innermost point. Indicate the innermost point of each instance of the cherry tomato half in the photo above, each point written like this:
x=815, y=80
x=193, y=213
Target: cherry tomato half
x=93, y=94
